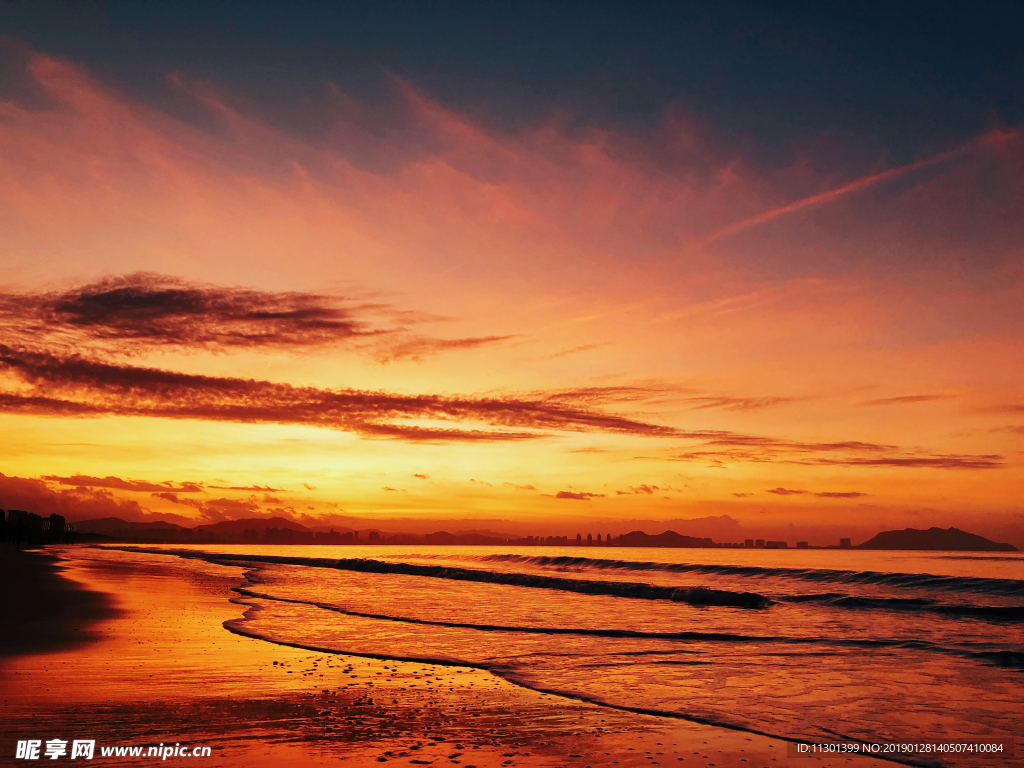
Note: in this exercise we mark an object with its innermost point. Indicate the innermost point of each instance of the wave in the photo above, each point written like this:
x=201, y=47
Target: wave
x=957, y=610
x=1008, y=587
x=696, y=596
x=1003, y=658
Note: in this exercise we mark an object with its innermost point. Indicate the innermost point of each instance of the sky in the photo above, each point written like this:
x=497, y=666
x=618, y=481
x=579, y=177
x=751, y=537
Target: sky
x=550, y=268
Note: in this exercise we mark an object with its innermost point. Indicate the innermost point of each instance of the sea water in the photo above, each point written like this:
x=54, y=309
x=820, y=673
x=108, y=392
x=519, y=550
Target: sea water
x=904, y=647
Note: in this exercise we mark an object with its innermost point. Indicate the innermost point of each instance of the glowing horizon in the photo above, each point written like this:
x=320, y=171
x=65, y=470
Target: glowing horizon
x=416, y=314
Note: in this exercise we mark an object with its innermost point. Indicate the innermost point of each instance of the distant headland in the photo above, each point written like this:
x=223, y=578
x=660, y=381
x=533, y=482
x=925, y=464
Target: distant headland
x=937, y=539
x=32, y=529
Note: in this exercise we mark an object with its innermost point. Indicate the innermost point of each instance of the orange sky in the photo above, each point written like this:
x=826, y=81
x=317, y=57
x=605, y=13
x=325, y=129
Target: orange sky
x=416, y=315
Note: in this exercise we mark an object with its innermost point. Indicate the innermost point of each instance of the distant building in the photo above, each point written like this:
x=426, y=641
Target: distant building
x=775, y=545
x=748, y=543
x=802, y=545
x=845, y=544
x=759, y=543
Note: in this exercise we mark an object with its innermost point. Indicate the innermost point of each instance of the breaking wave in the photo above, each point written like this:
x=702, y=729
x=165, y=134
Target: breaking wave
x=697, y=596
x=1006, y=587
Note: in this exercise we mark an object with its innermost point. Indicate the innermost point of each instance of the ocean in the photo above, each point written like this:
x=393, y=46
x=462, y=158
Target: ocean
x=908, y=647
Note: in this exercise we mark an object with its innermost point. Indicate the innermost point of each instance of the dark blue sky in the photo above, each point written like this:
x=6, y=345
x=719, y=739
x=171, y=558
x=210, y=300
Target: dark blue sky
x=908, y=77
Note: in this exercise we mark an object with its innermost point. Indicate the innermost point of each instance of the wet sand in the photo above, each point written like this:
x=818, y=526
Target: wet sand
x=138, y=655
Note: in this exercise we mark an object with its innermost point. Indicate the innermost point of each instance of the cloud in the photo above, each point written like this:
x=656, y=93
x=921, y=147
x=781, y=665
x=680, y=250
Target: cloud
x=419, y=347
x=421, y=477
x=577, y=349
x=906, y=399
x=1014, y=429
x=941, y=461
x=786, y=491
x=738, y=403
x=215, y=510
x=740, y=448
x=265, y=488
x=148, y=310
x=592, y=396
x=85, y=481
x=309, y=487
x=80, y=503
x=840, y=494
x=846, y=189
x=1007, y=408
x=77, y=386
x=578, y=496
x=134, y=313
x=742, y=495
x=637, y=490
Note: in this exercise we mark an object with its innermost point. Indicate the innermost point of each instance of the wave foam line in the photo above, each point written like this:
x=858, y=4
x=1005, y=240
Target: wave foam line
x=1013, y=587
x=1002, y=658
x=1010, y=613
x=696, y=596
x=237, y=627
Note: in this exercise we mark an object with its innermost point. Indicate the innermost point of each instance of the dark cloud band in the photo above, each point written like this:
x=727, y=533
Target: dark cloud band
x=77, y=386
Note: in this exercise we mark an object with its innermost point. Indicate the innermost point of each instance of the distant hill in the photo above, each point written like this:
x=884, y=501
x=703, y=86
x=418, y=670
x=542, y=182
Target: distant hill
x=666, y=539
x=112, y=525
x=949, y=539
x=255, y=523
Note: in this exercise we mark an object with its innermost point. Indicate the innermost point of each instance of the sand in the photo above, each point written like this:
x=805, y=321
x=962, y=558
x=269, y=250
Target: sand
x=138, y=655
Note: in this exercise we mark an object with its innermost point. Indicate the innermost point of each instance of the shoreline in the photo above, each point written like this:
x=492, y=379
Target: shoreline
x=43, y=608
x=162, y=667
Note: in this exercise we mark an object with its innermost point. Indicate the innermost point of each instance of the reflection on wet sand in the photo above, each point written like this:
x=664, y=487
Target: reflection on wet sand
x=164, y=670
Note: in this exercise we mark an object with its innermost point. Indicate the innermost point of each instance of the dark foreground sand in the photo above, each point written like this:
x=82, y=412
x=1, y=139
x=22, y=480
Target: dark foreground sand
x=137, y=655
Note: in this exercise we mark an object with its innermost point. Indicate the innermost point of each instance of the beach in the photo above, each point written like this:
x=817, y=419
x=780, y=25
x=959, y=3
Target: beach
x=131, y=654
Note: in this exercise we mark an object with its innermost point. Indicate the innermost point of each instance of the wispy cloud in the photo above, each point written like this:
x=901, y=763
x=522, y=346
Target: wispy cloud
x=834, y=194
x=577, y=349
x=780, y=491
x=840, y=494
x=149, y=310
x=1008, y=408
x=76, y=386
x=420, y=347
x=85, y=481
x=638, y=490
x=1015, y=429
x=738, y=403
x=216, y=510
x=723, y=448
x=520, y=487
x=940, y=461
x=265, y=488
x=578, y=496
x=907, y=399
x=134, y=313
